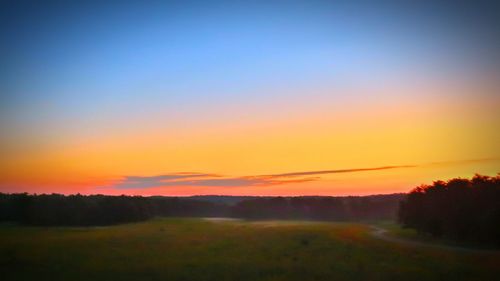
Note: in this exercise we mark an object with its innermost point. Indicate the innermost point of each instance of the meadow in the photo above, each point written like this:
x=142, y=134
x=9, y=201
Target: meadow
x=198, y=249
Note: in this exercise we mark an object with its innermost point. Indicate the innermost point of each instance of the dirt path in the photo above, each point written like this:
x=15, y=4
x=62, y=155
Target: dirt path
x=382, y=234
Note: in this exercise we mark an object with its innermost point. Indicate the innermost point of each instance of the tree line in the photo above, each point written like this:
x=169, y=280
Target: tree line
x=81, y=210
x=85, y=210
x=458, y=209
x=350, y=208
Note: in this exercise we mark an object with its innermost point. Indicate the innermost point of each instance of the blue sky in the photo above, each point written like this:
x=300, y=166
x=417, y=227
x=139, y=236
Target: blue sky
x=78, y=72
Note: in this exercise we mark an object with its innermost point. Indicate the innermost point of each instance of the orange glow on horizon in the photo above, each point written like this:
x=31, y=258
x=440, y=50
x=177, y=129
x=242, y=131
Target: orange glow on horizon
x=306, y=136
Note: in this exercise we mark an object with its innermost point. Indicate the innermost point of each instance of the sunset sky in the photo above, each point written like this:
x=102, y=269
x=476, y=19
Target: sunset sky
x=268, y=98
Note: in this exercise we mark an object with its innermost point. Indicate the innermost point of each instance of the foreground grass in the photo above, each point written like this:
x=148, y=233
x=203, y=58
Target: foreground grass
x=194, y=249
x=409, y=234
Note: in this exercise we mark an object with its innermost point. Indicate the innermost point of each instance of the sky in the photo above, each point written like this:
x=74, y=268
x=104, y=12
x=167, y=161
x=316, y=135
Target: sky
x=246, y=98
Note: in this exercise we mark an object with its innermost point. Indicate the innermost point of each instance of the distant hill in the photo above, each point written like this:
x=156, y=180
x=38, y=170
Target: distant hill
x=223, y=199
x=233, y=200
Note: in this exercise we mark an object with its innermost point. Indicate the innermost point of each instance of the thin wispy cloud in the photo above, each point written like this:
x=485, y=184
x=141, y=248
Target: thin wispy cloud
x=443, y=163
x=215, y=180
x=199, y=179
x=309, y=173
x=467, y=161
x=161, y=180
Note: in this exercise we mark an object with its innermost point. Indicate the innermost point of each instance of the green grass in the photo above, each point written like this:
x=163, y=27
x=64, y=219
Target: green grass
x=396, y=230
x=410, y=234
x=194, y=249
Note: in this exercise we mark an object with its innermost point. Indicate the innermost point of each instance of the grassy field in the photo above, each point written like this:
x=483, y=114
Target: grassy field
x=196, y=249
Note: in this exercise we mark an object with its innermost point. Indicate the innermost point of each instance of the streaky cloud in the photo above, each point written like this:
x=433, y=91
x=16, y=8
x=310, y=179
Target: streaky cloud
x=322, y=172
x=129, y=182
x=467, y=161
x=211, y=180
x=216, y=180
x=308, y=173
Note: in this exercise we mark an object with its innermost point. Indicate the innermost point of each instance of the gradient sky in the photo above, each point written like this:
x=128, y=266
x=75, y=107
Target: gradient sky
x=262, y=98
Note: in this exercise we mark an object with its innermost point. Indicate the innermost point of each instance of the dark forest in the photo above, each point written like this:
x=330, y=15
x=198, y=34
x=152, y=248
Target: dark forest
x=457, y=209
x=80, y=210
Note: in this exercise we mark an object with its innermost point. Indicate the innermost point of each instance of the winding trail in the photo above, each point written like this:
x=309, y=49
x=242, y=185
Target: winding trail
x=376, y=232
x=383, y=234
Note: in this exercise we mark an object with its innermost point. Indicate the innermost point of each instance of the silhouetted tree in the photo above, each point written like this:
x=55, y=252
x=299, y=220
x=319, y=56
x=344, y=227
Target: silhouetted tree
x=459, y=209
